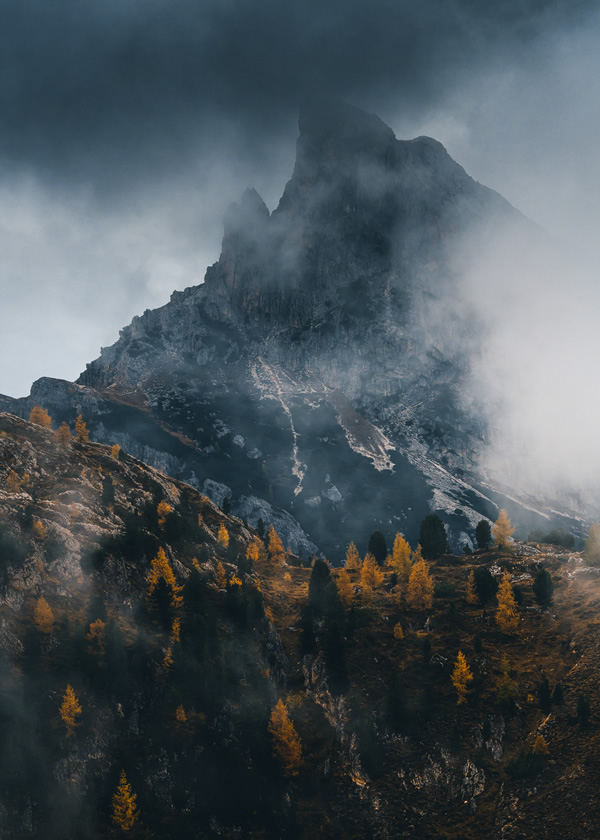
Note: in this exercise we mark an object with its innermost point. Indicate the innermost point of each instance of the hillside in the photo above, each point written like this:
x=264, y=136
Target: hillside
x=177, y=668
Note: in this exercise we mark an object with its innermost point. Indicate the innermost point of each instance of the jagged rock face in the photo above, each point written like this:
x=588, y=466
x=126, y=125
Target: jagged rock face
x=316, y=340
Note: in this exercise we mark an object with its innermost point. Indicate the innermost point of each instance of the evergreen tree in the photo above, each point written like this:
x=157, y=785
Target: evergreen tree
x=485, y=584
x=108, y=491
x=377, y=547
x=432, y=537
x=557, y=695
x=544, y=695
x=226, y=505
x=472, y=596
x=543, y=588
x=483, y=534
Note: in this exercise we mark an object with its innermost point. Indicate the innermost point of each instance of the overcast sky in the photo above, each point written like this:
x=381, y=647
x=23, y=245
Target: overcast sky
x=128, y=126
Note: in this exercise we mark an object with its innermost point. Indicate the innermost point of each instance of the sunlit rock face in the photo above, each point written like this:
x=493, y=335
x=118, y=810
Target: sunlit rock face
x=323, y=364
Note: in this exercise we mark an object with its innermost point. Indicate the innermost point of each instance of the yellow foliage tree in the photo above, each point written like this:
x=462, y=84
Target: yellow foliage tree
x=371, y=576
x=40, y=417
x=353, y=562
x=180, y=715
x=161, y=568
x=95, y=637
x=115, y=451
x=419, y=592
x=13, y=482
x=275, y=546
x=502, y=530
x=81, y=432
x=398, y=631
x=70, y=710
x=401, y=561
x=540, y=746
x=43, y=616
x=254, y=549
x=175, y=631
x=286, y=741
x=221, y=576
x=163, y=509
x=39, y=530
x=62, y=435
x=345, y=588
x=168, y=659
x=124, y=814
x=472, y=596
x=461, y=677
x=507, y=617
x=223, y=535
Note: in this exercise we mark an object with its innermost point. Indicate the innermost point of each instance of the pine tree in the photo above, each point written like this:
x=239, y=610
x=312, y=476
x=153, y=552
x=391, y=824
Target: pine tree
x=461, y=677
x=432, y=537
x=40, y=417
x=274, y=545
x=472, y=597
x=483, y=534
x=377, y=547
x=502, y=530
x=125, y=814
x=419, y=592
x=507, y=617
x=352, y=563
x=81, y=432
x=62, y=436
x=163, y=509
x=43, y=616
x=401, y=561
x=345, y=588
x=543, y=588
x=223, y=535
x=70, y=710
x=286, y=741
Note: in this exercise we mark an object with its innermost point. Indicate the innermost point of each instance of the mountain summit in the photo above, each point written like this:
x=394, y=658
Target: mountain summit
x=319, y=375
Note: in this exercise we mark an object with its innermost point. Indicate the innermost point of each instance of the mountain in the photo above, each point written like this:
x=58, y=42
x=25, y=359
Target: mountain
x=320, y=376
x=177, y=665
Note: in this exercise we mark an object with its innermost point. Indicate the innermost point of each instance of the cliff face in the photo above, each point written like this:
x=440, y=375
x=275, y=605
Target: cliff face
x=322, y=365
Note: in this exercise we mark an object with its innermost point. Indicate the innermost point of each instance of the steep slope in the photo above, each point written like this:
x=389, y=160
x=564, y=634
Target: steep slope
x=322, y=367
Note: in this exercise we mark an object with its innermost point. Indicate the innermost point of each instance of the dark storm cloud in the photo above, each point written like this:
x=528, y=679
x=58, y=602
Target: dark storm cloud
x=118, y=89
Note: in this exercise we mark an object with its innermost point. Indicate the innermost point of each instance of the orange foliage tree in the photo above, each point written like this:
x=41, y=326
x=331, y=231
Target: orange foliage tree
x=502, y=530
x=95, y=637
x=81, y=432
x=401, y=561
x=223, y=535
x=70, y=710
x=472, y=596
x=163, y=509
x=286, y=741
x=419, y=593
x=352, y=563
x=62, y=435
x=345, y=588
x=461, y=677
x=40, y=417
x=13, y=482
x=371, y=576
x=43, y=616
x=161, y=568
x=124, y=814
x=507, y=617
x=275, y=546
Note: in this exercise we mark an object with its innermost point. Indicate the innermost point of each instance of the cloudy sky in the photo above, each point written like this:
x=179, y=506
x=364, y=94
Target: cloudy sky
x=128, y=126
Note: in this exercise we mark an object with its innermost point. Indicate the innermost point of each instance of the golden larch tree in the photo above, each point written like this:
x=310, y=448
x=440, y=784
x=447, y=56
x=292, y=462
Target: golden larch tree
x=43, y=616
x=419, y=592
x=274, y=545
x=81, y=432
x=70, y=710
x=39, y=530
x=401, y=561
x=472, y=596
x=223, y=535
x=13, y=482
x=180, y=715
x=161, y=568
x=124, y=814
x=461, y=677
x=540, y=746
x=507, y=617
x=40, y=417
x=115, y=451
x=398, y=632
x=286, y=741
x=62, y=435
x=344, y=588
x=221, y=576
x=371, y=576
x=163, y=509
x=353, y=562
x=502, y=530
x=175, y=631
x=95, y=637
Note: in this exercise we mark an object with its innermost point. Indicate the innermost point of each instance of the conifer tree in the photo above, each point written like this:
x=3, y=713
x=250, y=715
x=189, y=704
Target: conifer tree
x=81, y=432
x=419, y=592
x=377, y=547
x=507, y=687
x=502, y=530
x=352, y=563
x=401, y=561
x=180, y=715
x=345, y=588
x=274, y=545
x=472, y=597
x=62, y=436
x=286, y=741
x=540, y=746
x=223, y=535
x=461, y=677
x=39, y=530
x=13, y=483
x=371, y=576
x=43, y=616
x=507, y=617
x=221, y=576
x=543, y=588
x=163, y=509
x=432, y=537
x=124, y=813
x=160, y=568
x=40, y=417
x=483, y=534
x=70, y=710
x=398, y=632
x=95, y=637
x=115, y=451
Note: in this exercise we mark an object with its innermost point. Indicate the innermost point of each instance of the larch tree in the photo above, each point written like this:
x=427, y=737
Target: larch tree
x=70, y=710
x=160, y=568
x=401, y=561
x=95, y=637
x=13, y=482
x=43, y=616
x=39, y=530
x=40, y=417
x=274, y=545
x=507, y=617
x=540, y=746
x=352, y=563
x=502, y=530
x=286, y=741
x=345, y=588
x=124, y=811
x=221, y=576
x=461, y=677
x=223, y=535
x=419, y=592
x=472, y=596
x=81, y=432
x=115, y=451
x=62, y=436
x=371, y=576
x=163, y=509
